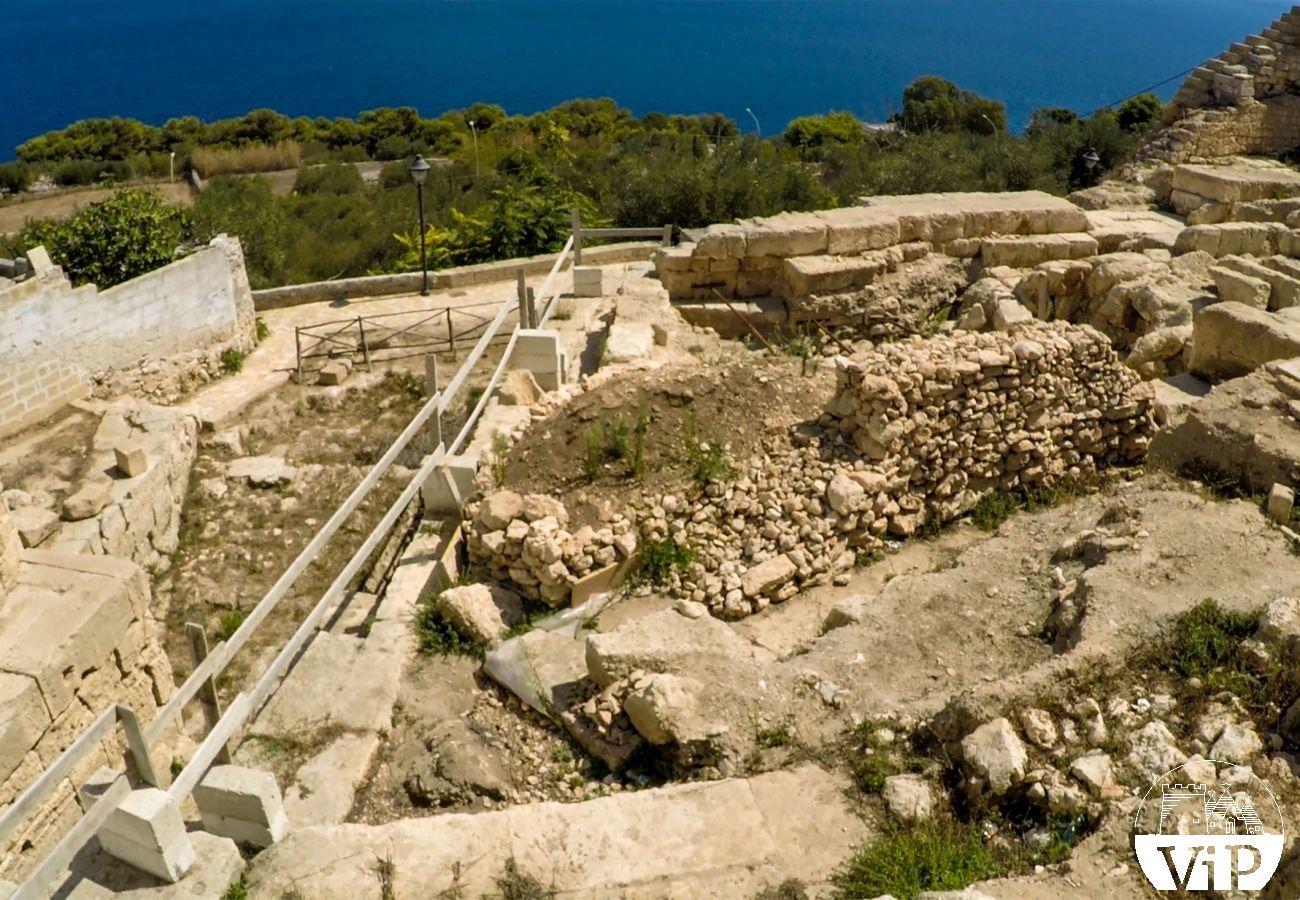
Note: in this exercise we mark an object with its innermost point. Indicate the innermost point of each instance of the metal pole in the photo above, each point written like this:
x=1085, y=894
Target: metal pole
x=474, y=131
x=451, y=332
x=521, y=290
x=530, y=304
x=297, y=345
x=424, y=261
x=577, y=237
x=207, y=694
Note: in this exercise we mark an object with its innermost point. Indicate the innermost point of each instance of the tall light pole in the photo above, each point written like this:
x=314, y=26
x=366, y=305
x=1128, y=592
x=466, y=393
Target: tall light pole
x=171, y=167
x=419, y=170
x=997, y=137
x=474, y=131
x=757, y=129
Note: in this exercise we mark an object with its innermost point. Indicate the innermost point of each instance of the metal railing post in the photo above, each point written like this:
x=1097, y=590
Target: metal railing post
x=521, y=290
x=451, y=332
x=297, y=346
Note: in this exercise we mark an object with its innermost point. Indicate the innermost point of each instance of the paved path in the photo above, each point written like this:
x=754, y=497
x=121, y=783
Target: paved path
x=717, y=839
x=270, y=365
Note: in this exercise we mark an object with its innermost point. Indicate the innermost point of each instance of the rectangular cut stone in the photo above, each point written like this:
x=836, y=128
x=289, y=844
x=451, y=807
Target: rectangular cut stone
x=242, y=804
x=1281, y=500
x=147, y=832
x=539, y=352
x=787, y=234
x=10, y=550
x=587, y=281
x=23, y=719
x=1236, y=287
x=1230, y=340
x=804, y=275
x=131, y=460
x=722, y=242
x=1025, y=252
x=856, y=229
x=1236, y=182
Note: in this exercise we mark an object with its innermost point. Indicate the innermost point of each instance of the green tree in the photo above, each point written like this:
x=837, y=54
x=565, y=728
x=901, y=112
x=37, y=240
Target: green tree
x=1137, y=114
x=813, y=131
x=131, y=232
x=931, y=103
x=246, y=208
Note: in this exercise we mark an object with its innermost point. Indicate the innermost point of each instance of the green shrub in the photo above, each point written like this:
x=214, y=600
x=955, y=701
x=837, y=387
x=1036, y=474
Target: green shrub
x=516, y=884
x=659, y=558
x=131, y=232
x=246, y=208
x=333, y=178
x=1207, y=637
x=14, y=177
x=707, y=458
x=870, y=760
x=435, y=635
x=232, y=360
x=229, y=623
x=994, y=508
x=934, y=855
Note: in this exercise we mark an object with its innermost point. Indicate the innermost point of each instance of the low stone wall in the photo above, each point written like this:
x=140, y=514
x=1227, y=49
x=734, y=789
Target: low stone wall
x=76, y=636
x=445, y=279
x=917, y=432
x=134, y=516
x=53, y=337
x=794, y=255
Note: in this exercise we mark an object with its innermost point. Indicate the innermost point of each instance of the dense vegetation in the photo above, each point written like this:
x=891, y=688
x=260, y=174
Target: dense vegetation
x=505, y=184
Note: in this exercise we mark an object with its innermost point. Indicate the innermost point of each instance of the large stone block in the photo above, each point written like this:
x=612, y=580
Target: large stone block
x=1025, y=252
x=242, y=804
x=1236, y=287
x=23, y=719
x=805, y=275
x=723, y=242
x=148, y=833
x=1236, y=182
x=787, y=234
x=860, y=228
x=1230, y=339
x=10, y=549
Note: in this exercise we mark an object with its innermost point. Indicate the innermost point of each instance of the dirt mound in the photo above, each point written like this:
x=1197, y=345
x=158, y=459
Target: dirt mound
x=635, y=431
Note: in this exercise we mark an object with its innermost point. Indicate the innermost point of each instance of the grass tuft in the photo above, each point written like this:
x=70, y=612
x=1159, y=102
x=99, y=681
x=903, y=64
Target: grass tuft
x=659, y=558
x=232, y=360
x=935, y=855
x=515, y=884
x=435, y=635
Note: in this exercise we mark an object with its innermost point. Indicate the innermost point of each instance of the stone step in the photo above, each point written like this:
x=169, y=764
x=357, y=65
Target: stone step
x=725, y=838
x=1022, y=252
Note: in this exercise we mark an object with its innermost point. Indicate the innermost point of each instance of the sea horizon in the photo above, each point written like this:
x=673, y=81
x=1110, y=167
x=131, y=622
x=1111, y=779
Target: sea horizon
x=153, y=60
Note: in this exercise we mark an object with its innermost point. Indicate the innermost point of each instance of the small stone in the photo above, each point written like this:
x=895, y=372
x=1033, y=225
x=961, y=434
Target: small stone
x=88, y=501
x=1039, y=727
x=131, y=460
x=1281, y=500
x=908, y=797
x=996, y=755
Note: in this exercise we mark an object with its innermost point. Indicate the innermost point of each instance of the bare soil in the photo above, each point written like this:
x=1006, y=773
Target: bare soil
x=62, y=203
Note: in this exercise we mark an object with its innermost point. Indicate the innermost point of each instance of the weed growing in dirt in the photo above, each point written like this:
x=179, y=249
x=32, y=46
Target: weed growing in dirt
x=862, y=558
x=790, y=889
x=801, y=346
x=996, y=507
x=659, y=558
x=935, y=855
x=386, y=873
x=435, y=635
x=870, y=759
x=707, y=458
x=238, y=890
x=1207, y=638
x=778, y=736
x=472, y=395
x=232, y=360
x=515, y=884
x=499, y=461
x=229, y=623
x=177, y=767
x=618, y=441
x=263, y=330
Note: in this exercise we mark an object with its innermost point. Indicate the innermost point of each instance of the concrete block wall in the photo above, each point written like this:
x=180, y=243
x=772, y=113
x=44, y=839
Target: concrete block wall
x=53, y=337
x=75, y=637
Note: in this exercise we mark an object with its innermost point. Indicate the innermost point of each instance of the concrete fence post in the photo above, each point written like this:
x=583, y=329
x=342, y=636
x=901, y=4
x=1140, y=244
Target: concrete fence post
x=147, y=832
x=668, y=236
x=241, y=804
x=577, y=237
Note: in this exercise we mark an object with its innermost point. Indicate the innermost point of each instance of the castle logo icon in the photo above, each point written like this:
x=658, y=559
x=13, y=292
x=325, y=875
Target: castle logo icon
x=1194, y=832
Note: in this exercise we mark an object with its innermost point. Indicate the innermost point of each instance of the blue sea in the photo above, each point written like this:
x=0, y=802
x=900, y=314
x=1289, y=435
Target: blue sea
x=62, y=60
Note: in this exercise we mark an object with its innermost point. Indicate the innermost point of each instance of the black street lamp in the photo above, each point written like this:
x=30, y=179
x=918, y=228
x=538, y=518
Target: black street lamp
x=1090, y=159
x=419, y=170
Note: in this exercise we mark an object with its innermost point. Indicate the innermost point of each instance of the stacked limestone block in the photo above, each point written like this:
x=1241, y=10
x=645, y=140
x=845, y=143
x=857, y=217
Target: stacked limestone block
x=524, y=541
x=1239, y=102
x=76, y=637
x=917, y=431
x=794, y=255
x=10, y=548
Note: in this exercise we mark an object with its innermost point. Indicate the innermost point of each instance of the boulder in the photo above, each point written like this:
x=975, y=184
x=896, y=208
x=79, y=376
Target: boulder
x=767, y=576
x=499, y=509
x=662, y=642
x=908, y=797
x=996, y=755
x=481, y=612
x=1039, y=728
x=1281, y=501
x=1237, y=744
x=1008, y=313
x=89, y=501
x=844, y=494
x=1154, y=751
x=1094, y=772
x=1231, y=339
x=1280, y=621
x=34, y=524
x=664, y=710
x=262, y=471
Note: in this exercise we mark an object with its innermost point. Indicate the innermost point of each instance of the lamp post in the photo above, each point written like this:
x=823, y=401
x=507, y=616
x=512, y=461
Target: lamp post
x=997, y=137
x=757, y=130
x=474, y=131
x=171, y=167
x=1090, y=159
x=419, y=170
